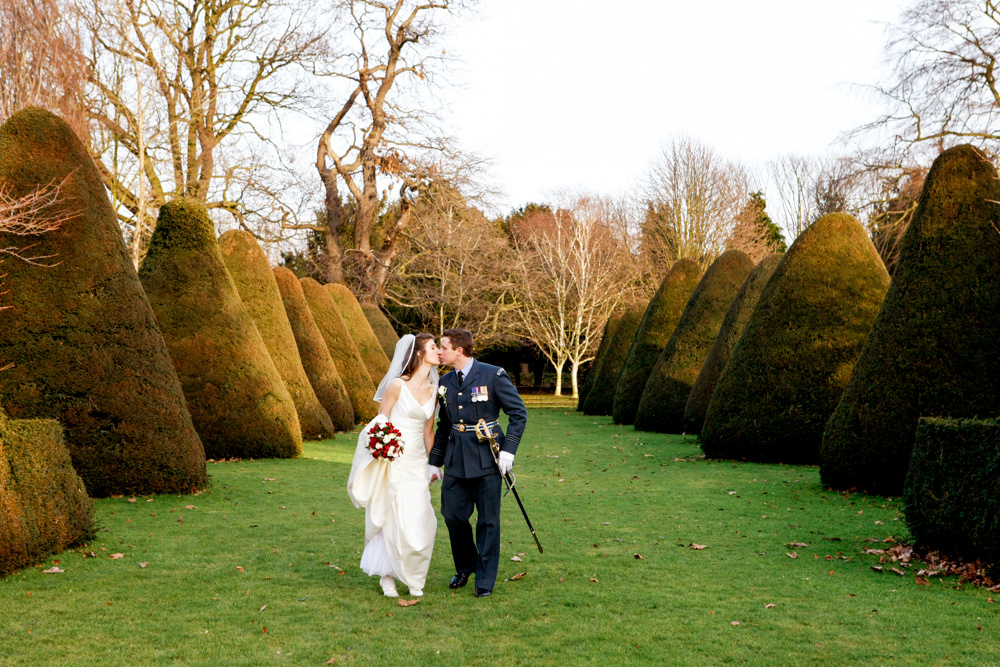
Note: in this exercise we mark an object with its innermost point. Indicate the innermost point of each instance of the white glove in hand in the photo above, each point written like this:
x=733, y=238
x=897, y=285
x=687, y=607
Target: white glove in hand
x=380, y=419
x=433, y=473
x=505, y=462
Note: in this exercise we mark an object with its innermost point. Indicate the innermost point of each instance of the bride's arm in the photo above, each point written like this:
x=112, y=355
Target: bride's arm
x=429, y=435
x=390, y=397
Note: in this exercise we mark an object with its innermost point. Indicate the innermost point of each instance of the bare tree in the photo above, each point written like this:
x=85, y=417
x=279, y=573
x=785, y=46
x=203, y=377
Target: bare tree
x=380, y=131
x=40, y=61
x=694, y=197
x=453, y=267
x=944, y=79
x=175, y=84
x=572, y=272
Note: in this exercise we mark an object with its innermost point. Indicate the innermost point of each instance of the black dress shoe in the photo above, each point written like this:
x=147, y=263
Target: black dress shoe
x=483, y=593
x=460, y=579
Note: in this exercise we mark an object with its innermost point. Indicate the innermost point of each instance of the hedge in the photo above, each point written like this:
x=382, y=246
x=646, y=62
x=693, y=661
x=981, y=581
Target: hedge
x=44, y=507
x=361, y=331
x=346, y=357
x=933, y=349
x=602, y=350
x=608, y=366
x=729, y=334
x=657, y=326
x=84, y=345
x=795, y=356
x=237, y=399
x=382, y=327
x=316, y=360
x=951, y=499
x=259, y=292
x=661, y=407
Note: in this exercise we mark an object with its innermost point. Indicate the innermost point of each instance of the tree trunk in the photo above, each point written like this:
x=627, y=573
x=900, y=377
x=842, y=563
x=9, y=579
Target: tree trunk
x=574, y=373
x=559, y=369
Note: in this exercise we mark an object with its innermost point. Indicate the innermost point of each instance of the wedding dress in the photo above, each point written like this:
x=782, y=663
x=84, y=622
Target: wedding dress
x=400, y=523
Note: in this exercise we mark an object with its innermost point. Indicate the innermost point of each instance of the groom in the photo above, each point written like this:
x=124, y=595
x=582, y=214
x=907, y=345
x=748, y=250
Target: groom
x=471, y=476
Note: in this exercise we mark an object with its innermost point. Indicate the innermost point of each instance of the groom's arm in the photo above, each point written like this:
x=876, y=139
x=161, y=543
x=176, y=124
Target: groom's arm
x=511, y=403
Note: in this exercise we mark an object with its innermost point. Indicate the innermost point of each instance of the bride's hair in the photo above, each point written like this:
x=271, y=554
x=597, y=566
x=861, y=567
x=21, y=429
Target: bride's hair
x=416, y=355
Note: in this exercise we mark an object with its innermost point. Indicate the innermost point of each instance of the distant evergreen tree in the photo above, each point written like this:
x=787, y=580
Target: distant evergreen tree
x=601, y=397
x=602, y=351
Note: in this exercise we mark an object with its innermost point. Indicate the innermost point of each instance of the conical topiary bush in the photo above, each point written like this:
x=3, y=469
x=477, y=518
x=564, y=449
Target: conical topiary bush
x=237, y=399
x=796, y=353
x=602, y=350
x=259, y=292
x=345, y=354
x=933, y=350
x=657, y=326
x=601, y=397
x=732, y=327
x=661, y=407
x=361, y=332
x=316, y=359
x=81, y=338
x=383, y=329
x=44, y=507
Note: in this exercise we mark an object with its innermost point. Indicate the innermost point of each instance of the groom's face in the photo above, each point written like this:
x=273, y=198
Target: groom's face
x=448, y=353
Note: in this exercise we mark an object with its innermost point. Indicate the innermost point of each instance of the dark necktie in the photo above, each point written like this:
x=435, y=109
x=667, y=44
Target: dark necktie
x=461, y=377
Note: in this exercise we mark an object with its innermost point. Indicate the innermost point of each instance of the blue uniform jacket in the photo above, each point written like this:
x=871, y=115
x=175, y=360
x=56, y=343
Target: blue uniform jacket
x=485, y=391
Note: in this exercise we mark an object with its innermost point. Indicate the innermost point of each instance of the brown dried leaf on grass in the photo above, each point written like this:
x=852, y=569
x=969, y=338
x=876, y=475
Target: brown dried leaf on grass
x=793, y=555
x=698, y=546
x=408, y=603
x=797, y=545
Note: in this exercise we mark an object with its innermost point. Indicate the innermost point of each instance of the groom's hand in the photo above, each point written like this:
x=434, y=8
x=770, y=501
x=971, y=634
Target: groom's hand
x=433, y=473
x=505, y=462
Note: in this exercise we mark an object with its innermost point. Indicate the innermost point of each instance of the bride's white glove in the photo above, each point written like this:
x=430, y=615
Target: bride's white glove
x=505, y=462
x=379, y=420
x=433, y=473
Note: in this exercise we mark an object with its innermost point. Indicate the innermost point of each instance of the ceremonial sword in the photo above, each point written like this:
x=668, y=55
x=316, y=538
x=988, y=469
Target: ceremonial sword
x=484, y=432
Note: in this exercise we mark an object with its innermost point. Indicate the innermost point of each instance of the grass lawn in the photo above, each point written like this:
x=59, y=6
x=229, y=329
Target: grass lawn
x=261, y=569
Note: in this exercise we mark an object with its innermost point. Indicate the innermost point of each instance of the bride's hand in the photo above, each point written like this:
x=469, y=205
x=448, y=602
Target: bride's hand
x=433, y=473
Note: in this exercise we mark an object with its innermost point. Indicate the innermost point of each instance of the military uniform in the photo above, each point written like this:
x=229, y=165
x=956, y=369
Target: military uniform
x=471, y=478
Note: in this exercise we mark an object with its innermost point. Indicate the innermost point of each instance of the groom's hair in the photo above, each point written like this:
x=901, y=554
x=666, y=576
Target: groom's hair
x=460, y=338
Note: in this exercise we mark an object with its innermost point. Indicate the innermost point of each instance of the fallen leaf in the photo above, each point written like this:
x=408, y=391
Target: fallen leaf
x=54, y=570
x=144, y=564
x=331, y=661
x=516, y=559
x=594, y=580
x=877, y=568
x=734, y=623
x=798, y=545
x=698, y=546
x=190, y=507
x=770, y=605
x=896, y=570
x=132, y=500
x=639, y=557
x=922, y=582
x=239, y=568
x=262, y=608
x=792, y=555
x=116, y=556
x=519, y=575
x=408, y=603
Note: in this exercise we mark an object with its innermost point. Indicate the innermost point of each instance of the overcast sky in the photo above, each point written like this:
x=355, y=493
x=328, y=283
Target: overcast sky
x=581, y=94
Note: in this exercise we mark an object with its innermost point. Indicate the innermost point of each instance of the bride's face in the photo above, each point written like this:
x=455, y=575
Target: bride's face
x=432, y=355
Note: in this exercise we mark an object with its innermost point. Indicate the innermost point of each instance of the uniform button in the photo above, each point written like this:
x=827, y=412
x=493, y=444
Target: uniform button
x=460, y=407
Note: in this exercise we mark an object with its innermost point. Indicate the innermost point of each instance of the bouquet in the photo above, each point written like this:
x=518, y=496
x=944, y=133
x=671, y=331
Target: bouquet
x=385, y=442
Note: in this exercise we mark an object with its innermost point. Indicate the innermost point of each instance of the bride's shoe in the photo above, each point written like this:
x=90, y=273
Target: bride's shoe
x=388, y=586
x=416, y=592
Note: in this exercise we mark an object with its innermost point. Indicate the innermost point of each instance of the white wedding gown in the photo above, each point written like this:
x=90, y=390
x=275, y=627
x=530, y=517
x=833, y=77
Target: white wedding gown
x=400, y=523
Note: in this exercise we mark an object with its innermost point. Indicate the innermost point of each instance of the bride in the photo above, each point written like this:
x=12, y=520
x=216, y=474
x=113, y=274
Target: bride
x=399, y=521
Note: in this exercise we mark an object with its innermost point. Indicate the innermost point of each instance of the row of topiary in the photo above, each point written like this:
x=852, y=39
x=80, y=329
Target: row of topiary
x=819, y=358
x=204, y=352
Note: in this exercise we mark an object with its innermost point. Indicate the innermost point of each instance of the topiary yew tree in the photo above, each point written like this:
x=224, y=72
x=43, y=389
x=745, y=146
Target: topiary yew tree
x=316, y=359
x=383, y=329
x=657, y=326
x=259, y=292
x=81, y=338
x=608, y=366
x=44, y=507
x=360, y=330
x=661, y=407
x=933, y=350
x=345, y=354
x=732, y=327
x=237, y=399
x=795, y=356
x=602, y=350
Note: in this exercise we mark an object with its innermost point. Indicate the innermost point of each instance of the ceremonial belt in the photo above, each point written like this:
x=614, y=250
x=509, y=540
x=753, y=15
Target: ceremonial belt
x=462, y=428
